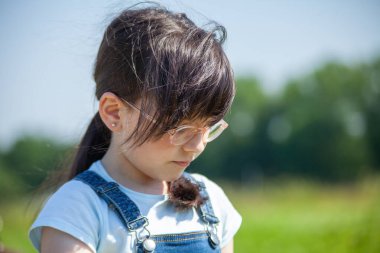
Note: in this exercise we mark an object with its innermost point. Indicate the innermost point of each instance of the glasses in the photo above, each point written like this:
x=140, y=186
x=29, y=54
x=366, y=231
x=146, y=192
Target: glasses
x=184, y=133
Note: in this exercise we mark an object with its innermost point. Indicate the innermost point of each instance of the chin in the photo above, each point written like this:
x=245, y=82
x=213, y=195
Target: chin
x=173, y=177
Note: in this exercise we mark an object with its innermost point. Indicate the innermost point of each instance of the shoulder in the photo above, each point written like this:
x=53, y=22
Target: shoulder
x=215, y=192
x=211, y=187
x=74, y=197
x=74, y=209
x=76, y=193
x=230, y=219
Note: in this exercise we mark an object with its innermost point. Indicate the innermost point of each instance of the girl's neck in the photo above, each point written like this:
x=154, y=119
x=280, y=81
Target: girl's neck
x=124, y=173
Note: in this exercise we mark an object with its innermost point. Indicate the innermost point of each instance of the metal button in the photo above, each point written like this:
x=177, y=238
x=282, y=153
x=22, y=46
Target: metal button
x=214, y=240
x=149, y=245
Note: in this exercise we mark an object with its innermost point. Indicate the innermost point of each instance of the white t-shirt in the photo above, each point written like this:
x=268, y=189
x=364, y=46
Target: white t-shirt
x=77, y=210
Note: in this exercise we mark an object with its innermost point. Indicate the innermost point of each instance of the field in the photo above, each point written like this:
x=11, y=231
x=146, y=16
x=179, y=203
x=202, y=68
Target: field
x=280, y=216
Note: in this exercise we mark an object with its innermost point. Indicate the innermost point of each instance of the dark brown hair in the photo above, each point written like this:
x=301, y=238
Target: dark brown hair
x=178, y=70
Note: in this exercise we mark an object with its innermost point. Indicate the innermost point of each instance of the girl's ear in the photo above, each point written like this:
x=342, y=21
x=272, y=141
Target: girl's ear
x=110, y=111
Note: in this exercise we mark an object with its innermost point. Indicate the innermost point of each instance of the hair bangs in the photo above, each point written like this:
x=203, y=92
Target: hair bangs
x=191, y=80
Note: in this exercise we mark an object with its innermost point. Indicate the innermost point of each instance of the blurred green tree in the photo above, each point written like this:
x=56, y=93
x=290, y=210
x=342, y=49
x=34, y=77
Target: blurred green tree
x=323, y=125
x=28, y=162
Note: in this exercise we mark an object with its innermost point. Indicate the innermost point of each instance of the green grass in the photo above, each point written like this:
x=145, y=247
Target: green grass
x=303, y=217
x=284, y=216
x=17, y=216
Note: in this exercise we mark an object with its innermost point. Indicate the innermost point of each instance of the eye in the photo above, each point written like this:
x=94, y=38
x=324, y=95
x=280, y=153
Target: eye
x=184, y=131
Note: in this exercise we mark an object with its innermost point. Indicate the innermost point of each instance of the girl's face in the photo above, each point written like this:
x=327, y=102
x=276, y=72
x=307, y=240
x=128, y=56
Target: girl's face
x=159, y=159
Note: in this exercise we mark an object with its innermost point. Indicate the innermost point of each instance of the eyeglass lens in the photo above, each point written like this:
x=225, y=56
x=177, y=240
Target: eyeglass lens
x=183, y=135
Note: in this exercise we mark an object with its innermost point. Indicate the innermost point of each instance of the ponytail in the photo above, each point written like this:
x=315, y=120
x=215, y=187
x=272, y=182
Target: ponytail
x=92, y=147
x=184, y=194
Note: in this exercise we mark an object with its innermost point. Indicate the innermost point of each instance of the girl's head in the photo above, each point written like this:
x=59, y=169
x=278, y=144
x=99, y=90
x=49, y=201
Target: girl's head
x=165, y=70
x=173, y=70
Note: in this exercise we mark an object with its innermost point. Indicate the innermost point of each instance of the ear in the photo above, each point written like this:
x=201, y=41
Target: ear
x=110, y=111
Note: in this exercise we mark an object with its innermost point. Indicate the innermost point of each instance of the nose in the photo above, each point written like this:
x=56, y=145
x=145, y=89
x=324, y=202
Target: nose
x=195, y=144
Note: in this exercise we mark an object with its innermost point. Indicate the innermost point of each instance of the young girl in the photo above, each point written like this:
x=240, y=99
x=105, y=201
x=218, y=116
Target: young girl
x=164, y=86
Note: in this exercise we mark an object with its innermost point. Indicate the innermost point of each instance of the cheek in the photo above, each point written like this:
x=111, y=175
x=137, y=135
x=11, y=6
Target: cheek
x=161, y=147
x=164, y=141
x=156, y=151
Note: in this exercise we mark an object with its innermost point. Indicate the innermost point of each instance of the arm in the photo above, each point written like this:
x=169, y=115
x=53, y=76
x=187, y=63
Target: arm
x=229, y=248
x=53, y=240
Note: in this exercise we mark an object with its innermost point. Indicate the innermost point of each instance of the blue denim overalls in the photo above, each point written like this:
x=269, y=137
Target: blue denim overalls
x=192, y=242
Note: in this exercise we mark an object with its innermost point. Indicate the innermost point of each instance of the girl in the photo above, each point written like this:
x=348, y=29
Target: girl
x=164, y=86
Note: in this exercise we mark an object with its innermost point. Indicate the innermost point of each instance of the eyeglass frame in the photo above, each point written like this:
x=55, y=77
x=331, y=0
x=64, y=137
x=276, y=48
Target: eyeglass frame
x=173, y=131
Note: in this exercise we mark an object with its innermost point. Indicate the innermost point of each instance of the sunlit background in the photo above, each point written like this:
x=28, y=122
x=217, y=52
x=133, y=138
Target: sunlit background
x=301, y=157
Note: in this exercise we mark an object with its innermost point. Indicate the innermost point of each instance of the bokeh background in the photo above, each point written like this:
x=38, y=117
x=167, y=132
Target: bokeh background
x=301, y=158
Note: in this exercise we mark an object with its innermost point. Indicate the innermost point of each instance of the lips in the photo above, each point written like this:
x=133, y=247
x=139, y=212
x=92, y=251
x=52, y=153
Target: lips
x=182, y=163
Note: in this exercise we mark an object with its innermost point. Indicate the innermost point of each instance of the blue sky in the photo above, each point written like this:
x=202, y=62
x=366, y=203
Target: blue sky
x=47, y=50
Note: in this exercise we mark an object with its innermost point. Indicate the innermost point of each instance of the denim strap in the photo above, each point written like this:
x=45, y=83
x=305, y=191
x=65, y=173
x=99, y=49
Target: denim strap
x=127, y=210
x=206, y=211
